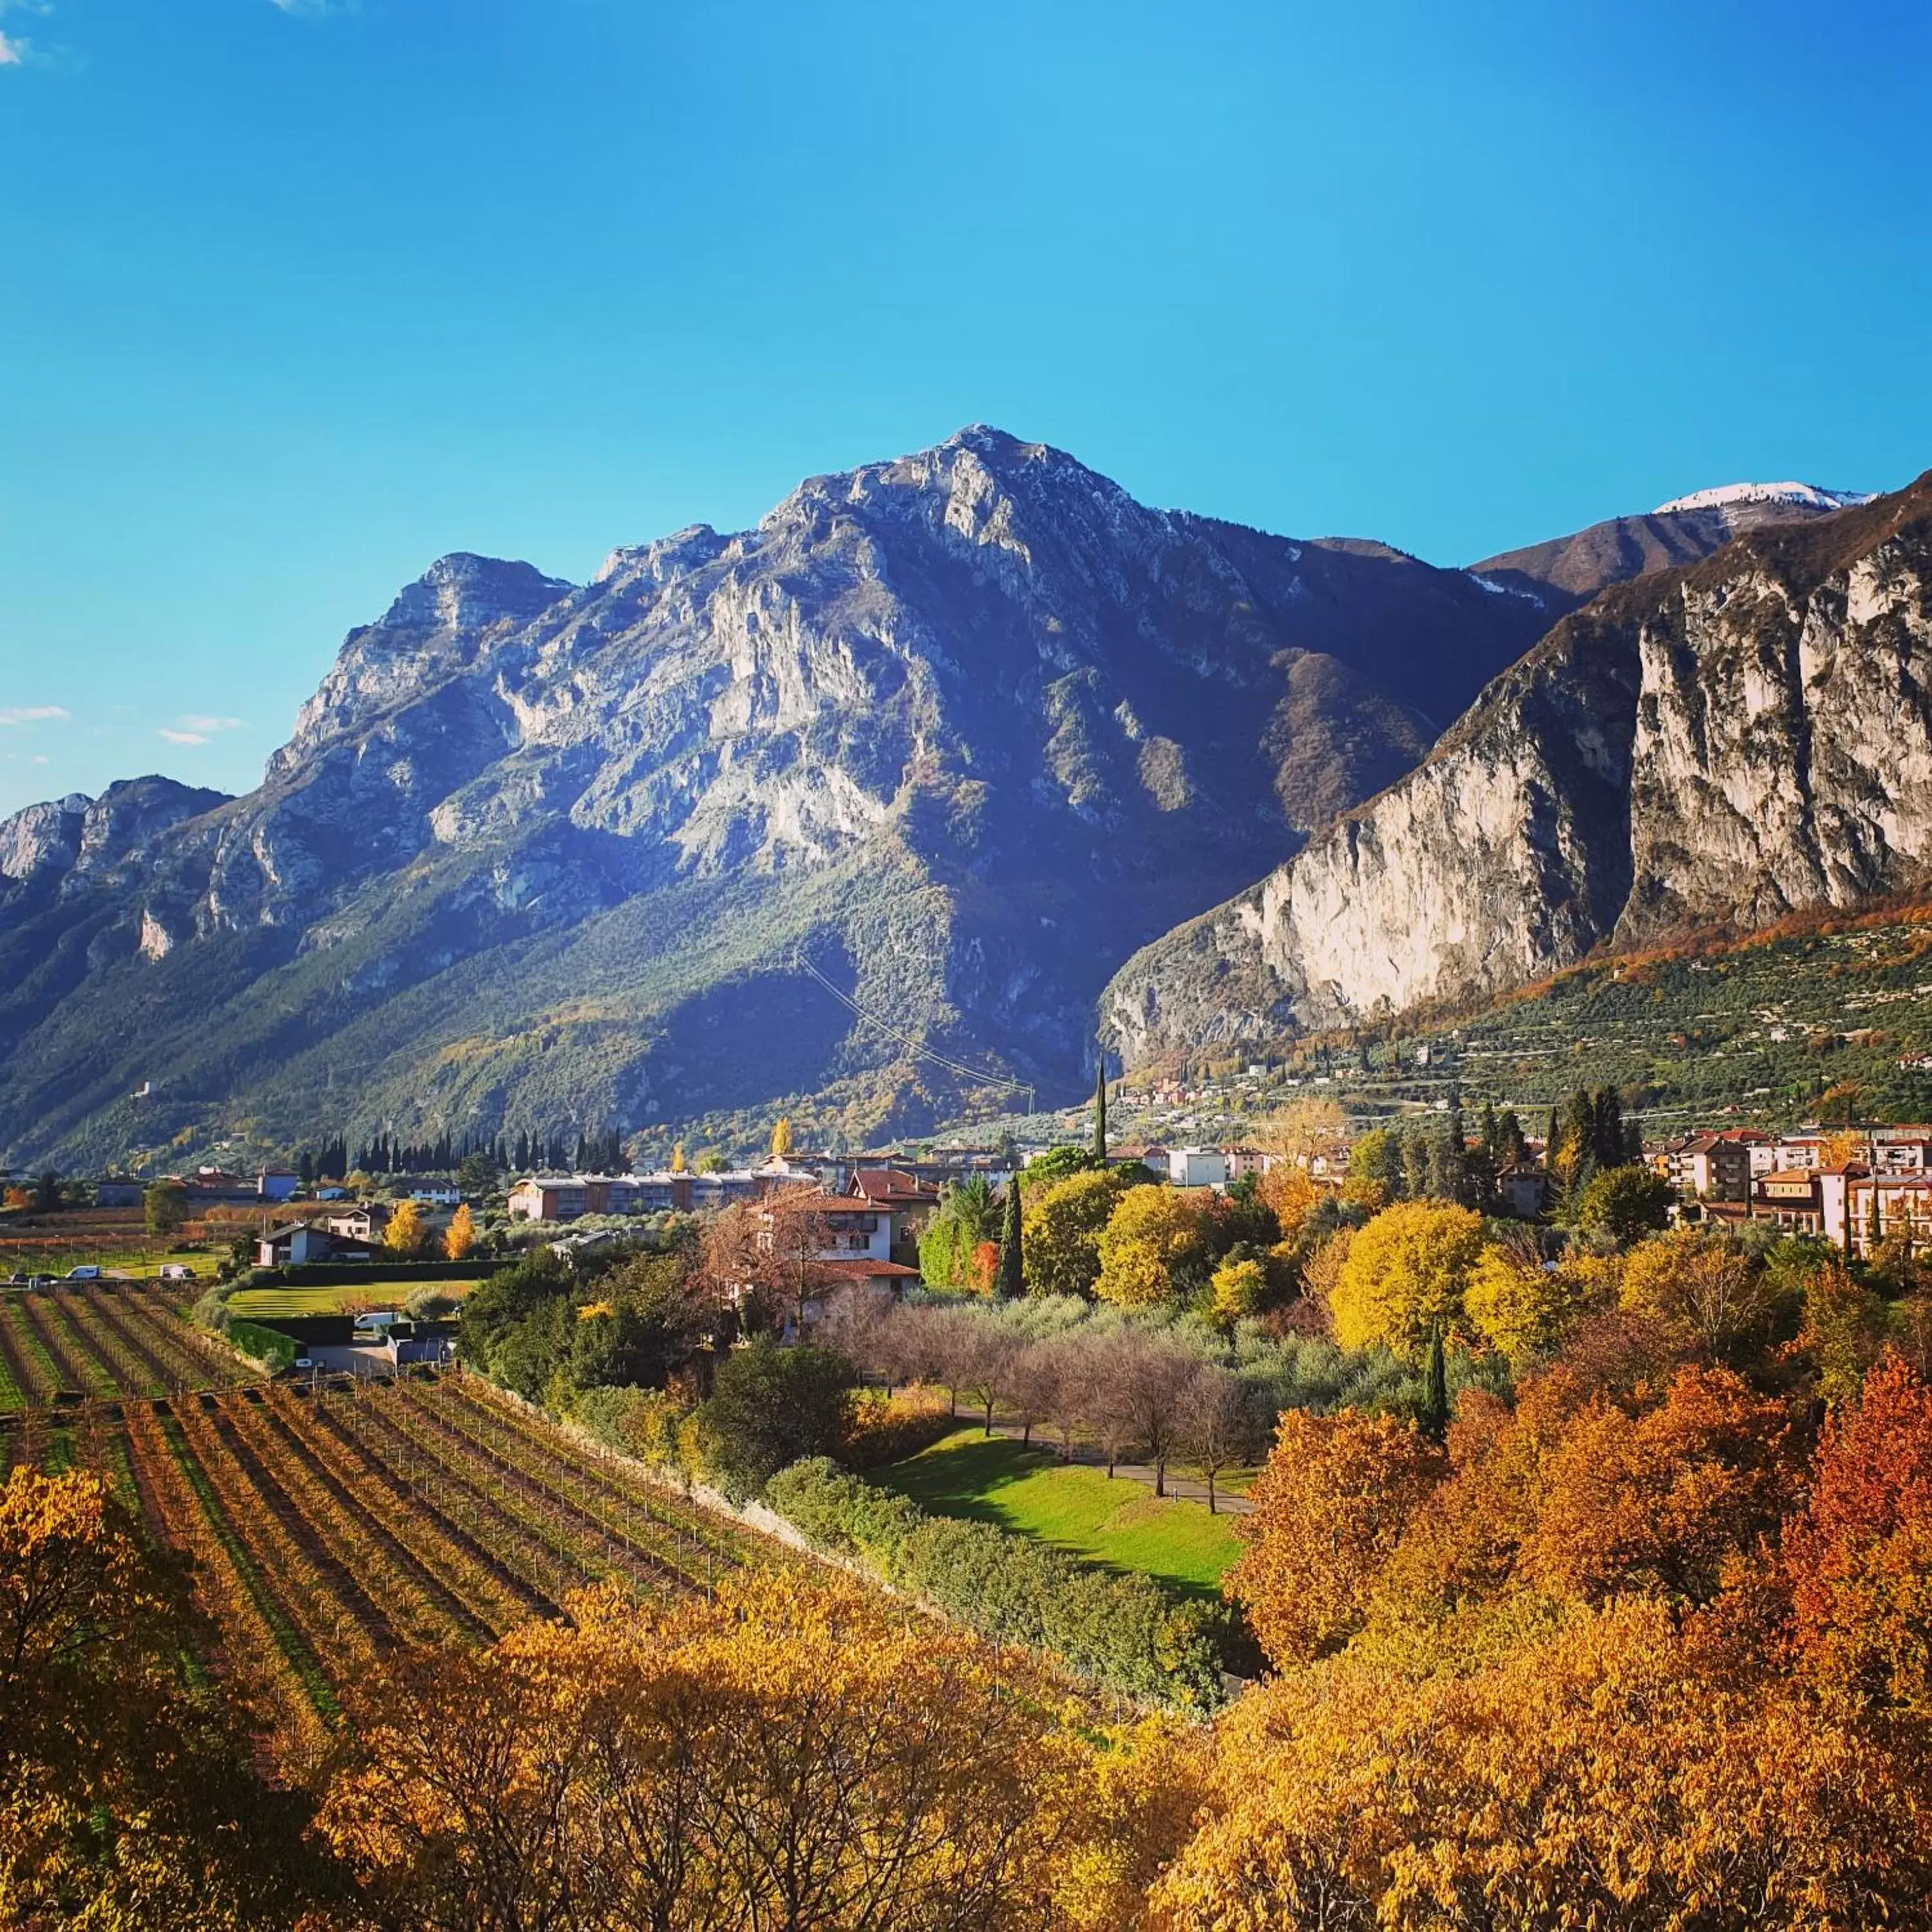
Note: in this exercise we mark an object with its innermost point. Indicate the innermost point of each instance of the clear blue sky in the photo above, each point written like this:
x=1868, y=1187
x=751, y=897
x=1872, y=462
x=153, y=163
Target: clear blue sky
x=295, y=296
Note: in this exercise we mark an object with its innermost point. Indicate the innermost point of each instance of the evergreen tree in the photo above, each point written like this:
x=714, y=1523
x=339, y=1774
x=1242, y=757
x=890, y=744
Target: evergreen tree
x=1608, y=1124
x=1435, y=1411
x=1100, y=1111
x=1009, y=1283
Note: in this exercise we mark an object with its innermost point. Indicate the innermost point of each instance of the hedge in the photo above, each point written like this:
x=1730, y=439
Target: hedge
x=1122, y=1632
x=347, y=1274
x=268, y=1346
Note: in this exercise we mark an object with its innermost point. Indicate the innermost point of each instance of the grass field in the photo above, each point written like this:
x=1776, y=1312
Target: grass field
x=255, y=1304
x=1029, y=1491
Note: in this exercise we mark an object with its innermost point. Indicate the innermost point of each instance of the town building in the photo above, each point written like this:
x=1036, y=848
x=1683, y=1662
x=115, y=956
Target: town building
x=299, y=1241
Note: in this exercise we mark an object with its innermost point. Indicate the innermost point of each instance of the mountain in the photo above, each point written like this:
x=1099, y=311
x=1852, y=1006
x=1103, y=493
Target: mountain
x=1566, y=571
x=943, y=739
x=1724, y=743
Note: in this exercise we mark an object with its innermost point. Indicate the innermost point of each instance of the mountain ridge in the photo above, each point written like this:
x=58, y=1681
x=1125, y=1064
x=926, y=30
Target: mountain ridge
x=966, y=726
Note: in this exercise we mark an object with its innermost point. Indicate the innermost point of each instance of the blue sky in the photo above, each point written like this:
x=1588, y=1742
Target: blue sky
x=297, y=296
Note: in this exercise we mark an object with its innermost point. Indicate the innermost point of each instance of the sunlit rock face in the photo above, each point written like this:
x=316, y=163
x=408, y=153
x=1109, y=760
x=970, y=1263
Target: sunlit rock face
x=1728, y=742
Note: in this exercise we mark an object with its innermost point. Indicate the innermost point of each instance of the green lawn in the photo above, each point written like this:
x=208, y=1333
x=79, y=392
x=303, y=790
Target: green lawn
x=253, y=1304
x=1120, y=1523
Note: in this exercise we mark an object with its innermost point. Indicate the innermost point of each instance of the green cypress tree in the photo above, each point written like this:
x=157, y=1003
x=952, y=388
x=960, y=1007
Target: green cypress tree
x=1435, y=1411
x=1100, y=1111
x=1009, y=1283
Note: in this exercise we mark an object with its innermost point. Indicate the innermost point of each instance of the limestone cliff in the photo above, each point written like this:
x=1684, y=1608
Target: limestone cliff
x=1725, y=742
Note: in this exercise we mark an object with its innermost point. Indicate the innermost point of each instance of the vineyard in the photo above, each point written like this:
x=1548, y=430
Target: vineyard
x=328, y=1525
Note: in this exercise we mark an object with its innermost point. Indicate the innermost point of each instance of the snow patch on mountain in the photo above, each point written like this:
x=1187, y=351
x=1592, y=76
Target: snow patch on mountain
x=1727, y=495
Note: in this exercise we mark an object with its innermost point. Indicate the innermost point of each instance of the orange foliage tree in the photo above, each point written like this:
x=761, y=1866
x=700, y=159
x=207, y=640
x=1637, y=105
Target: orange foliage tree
x=1330, y=1506
x=1859, y=1559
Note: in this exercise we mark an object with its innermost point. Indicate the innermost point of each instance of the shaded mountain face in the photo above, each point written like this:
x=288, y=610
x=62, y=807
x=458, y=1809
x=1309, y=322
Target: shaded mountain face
x=1567, y=572
x=958, y=732
x=1727, y=743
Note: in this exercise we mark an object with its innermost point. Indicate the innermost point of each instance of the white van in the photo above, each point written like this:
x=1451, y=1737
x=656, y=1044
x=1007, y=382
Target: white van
x=176, y=1271
x=87, y=1271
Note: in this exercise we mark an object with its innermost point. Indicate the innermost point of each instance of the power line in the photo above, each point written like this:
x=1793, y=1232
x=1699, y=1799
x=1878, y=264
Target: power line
x=919, y=1050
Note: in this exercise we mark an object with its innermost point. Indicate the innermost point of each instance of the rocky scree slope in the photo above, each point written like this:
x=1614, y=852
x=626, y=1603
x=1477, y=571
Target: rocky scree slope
x=961, y=729
x=1722, y=743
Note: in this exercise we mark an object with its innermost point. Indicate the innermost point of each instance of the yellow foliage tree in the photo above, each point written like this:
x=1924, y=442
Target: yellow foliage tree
x=1403, y=1279
x=781, y=1138
x=1525, y=1309
x=1705, y=1289
x=677, y=1158
x=1594, y=1777
x=404, y=1235
x=1061, y=1243
x=1239, y=1288
x=460, y=1236
x=1153, y=1232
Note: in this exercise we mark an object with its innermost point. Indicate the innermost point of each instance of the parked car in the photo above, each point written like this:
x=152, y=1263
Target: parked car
x=39, y=1281
x=16, y=1279
x=176, y=1271
x=87, y=1271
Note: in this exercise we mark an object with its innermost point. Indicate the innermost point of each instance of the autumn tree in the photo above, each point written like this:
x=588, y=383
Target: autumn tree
x=1860, y=1557
x=1592, y=1775
x=1062, y=1229
x=1705, y=1288
x=1241, y=1285
x=460, y=1236
x=405, y=1234
x=796, y=1754
x=1525, y=1308
x=1403, y=1280
x=1152, y=1247
x=1331, y=1504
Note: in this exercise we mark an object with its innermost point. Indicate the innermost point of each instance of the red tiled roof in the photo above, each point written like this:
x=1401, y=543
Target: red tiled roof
x=865, y=1270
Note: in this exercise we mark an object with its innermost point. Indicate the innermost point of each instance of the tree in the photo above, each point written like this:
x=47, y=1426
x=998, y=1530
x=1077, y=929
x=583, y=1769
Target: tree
x=1526, y=1309
x=460, y=1236
x=1626, y=1201
x=1152, y=1247
x=769, y=1406
x=405, y=1234
x=1240, y=1287
x=1010, y=1283
x=981, y=1355
x=1403, y=1280
x=1100, y=1110
x=1062, y=1231
x=1150, y=1374
x=1704, y=1288
x=677, y=1157
x=1375, y=1168
x=796, y=1754
x=478, y=1173
x=1215, y=1424
x=47, y=1193
x=1859, y=1557
x=1331, y=1504
x=165, y=1207
x=966, y=1217
x=782, y=1137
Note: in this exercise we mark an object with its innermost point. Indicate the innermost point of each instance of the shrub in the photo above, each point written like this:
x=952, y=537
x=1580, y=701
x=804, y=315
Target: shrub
x=770, y=1406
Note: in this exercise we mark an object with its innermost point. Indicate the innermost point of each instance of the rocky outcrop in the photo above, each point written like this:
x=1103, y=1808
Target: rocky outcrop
x=961, y=731
x=1725, y=743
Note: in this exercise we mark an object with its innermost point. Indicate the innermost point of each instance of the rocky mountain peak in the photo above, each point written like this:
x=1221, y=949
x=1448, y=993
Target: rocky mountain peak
x=439, y=625
x=462, y=594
